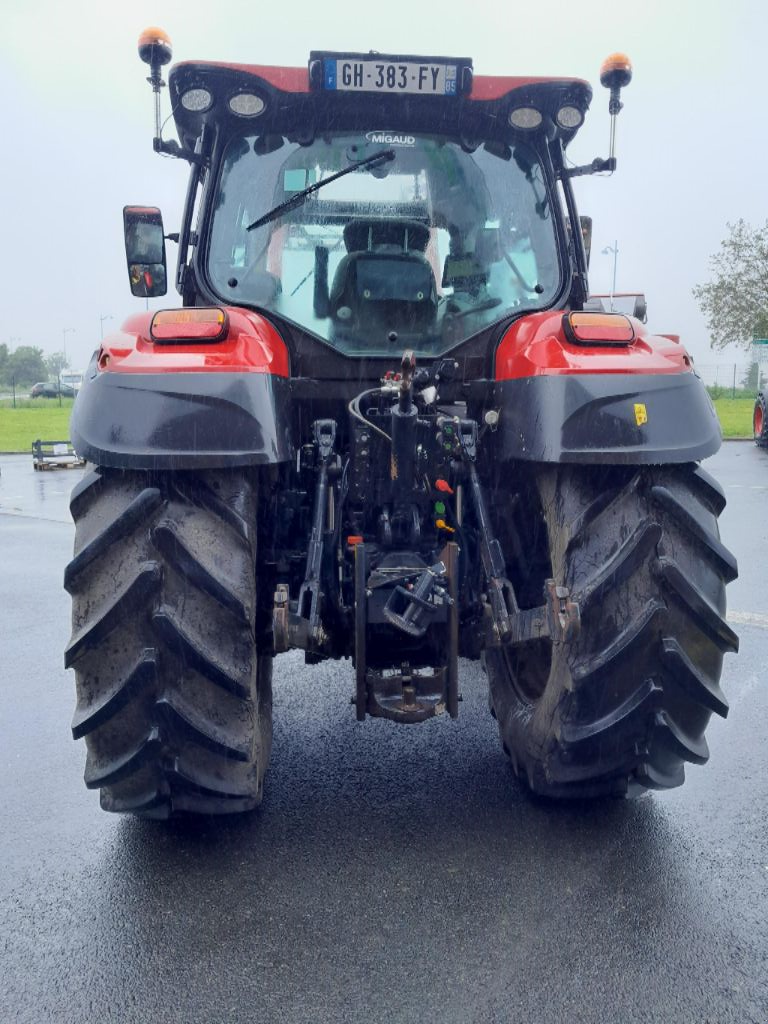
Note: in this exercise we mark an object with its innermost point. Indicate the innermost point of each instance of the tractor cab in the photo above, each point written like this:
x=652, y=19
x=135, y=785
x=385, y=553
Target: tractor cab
x=378, y=202
x=416, y=238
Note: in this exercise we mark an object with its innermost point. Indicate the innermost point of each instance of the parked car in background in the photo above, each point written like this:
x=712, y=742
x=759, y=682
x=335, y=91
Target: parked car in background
x=52, y=389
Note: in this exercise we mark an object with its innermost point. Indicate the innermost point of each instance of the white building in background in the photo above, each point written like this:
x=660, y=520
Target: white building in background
x=73, y=377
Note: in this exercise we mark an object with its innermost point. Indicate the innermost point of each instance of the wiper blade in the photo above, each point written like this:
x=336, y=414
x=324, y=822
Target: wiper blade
x=291, y=204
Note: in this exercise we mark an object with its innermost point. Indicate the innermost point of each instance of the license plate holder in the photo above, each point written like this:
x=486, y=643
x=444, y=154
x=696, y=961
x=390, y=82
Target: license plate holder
x=386, y=74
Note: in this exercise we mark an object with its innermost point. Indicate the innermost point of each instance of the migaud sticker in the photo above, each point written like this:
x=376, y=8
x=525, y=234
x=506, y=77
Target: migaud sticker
x=641, y=413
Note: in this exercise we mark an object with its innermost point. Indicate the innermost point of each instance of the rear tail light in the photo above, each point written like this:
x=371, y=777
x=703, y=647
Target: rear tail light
x=173, y=326
x=598, y=329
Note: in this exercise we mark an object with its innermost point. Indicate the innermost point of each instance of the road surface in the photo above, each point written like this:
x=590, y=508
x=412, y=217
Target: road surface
x=392, y=874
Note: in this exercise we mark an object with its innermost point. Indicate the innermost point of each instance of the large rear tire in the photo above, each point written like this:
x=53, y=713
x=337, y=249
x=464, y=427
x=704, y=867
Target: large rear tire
x=173, y=679
x=760, y=421
x=624, y=705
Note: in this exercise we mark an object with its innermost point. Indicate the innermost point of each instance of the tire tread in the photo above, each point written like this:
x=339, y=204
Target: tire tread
x=626, y=703
x=181, y=725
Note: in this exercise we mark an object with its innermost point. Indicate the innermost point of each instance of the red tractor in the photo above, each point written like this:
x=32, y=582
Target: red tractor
x=760, y=420
x=382, y=426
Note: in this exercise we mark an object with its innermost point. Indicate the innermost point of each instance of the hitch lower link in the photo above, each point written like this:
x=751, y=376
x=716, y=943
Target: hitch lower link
x=558, y=619
x=298, y=623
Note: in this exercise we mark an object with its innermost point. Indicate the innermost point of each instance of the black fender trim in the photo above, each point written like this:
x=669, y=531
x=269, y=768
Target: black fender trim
x=182, y=420
x=592, y=418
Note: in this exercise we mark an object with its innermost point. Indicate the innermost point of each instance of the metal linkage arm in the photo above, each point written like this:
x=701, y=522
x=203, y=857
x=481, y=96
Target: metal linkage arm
x=501, y=596
x=308, y=605
x=558, y=618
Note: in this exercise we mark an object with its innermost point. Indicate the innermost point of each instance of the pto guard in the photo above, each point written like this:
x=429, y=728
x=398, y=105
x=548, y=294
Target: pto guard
x=633, y=403
x=188, y=405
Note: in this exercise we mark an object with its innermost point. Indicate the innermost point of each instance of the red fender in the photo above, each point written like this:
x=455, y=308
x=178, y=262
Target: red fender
x=251, y=345
x=537, y=345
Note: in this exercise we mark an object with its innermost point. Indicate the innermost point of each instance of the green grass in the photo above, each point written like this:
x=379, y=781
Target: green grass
x=34, y=418
x=735, y=415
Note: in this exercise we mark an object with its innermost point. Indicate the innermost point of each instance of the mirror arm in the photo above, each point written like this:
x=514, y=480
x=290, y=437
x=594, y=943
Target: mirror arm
x=172, y=148
x=598, y=166
x=579, y=292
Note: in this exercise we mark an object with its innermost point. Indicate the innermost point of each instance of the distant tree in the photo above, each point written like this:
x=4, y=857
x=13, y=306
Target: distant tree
x=754, y=378
x=3, y=359
x=26, y=365
x=56, y=363
x=735, y=301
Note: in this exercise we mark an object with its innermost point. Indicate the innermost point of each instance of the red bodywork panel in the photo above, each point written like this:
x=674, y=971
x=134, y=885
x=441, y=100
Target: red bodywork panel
x=536, y=345
x=484, y=87
x=252, y=345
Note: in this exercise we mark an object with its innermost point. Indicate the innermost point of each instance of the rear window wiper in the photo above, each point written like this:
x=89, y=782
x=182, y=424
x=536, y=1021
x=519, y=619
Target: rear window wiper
x=290, y=204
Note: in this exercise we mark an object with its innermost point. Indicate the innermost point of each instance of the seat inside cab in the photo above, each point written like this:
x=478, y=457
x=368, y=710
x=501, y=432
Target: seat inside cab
x=385, y=276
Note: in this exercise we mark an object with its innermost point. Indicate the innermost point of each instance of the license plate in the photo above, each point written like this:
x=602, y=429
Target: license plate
x=383, y=76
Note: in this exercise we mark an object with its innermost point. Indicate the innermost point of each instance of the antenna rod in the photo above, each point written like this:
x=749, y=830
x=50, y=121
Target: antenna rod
x=155, y=49
x=615, y=74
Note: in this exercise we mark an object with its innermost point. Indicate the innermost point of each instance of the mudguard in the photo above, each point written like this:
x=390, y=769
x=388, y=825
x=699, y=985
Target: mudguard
x=184, y=406
x=601, y=418
x=561, y=401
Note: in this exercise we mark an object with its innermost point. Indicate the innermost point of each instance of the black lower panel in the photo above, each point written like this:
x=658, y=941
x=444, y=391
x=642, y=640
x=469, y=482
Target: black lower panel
x=634, y=419
x=204, y=420
x=182, y=420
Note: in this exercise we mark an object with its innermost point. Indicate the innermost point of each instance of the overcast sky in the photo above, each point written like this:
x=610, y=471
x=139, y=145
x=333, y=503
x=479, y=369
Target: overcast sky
x=78, y=123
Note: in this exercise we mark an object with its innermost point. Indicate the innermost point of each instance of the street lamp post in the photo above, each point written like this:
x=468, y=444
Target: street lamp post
x=65, y=332
x=615, y=250
x=14, y=337
x=102, y=318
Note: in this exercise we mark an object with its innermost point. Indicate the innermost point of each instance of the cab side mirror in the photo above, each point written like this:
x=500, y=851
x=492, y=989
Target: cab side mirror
x=640, y=309
x=145, y=251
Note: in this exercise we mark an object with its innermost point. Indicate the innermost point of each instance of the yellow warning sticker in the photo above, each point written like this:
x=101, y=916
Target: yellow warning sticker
x=641, y=414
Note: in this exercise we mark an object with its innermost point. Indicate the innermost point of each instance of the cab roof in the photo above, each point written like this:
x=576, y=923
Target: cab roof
x=292, y=107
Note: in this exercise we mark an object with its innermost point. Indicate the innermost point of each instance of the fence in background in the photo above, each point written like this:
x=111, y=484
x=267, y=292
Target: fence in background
x=733, y=380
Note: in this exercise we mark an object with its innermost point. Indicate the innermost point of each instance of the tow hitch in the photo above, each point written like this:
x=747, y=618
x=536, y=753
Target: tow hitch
x=412, y=599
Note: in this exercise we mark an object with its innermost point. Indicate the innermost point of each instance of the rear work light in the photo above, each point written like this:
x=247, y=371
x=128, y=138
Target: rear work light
x=246, y=104
x=525, y=118
x=197, y=100
x=173, y=326
x=598, y=329
x=569, y=117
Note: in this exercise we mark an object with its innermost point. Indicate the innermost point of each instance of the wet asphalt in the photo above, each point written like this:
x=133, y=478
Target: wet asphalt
x=392, y=874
